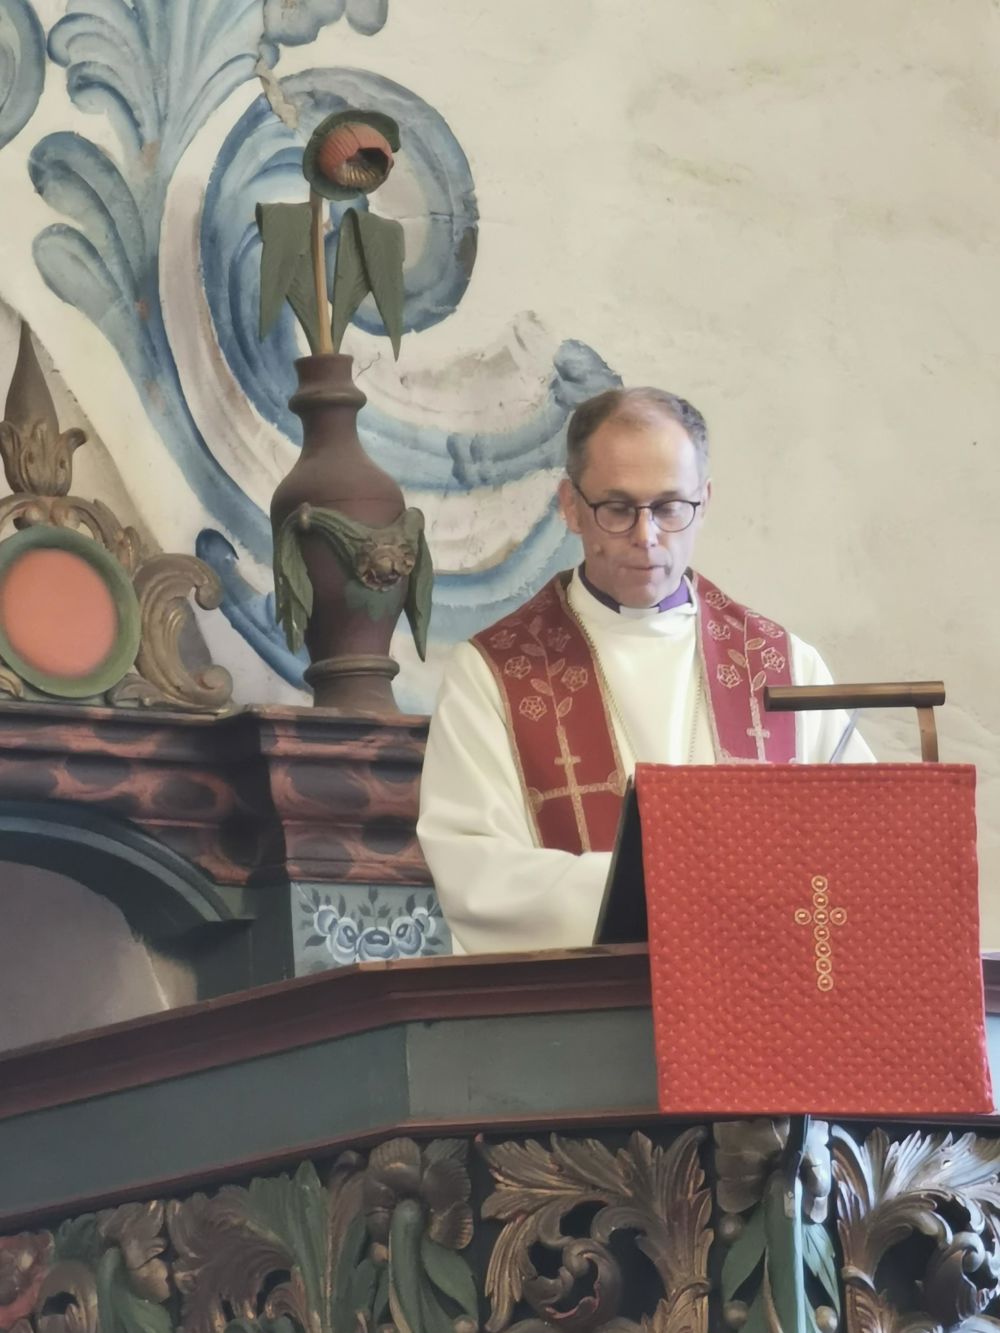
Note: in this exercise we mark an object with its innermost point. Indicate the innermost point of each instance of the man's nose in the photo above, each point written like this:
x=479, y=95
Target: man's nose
x=645, y=532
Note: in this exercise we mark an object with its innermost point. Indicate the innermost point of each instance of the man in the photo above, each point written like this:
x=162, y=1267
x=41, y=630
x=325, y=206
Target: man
x=542, y=717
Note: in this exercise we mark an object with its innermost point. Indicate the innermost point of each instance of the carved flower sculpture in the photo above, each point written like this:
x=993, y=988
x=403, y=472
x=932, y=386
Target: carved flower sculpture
x=24, y=1261
x=748, y=1151
x=36, y=460
x=436, y=1179
x=350, y=153
x=137, y=1229
x=381, y=564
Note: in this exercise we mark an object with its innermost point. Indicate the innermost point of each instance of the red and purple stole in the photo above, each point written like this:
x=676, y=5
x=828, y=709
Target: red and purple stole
x=562, y=736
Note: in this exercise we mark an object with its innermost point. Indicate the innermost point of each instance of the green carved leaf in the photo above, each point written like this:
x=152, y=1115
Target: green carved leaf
x=451, y=1275
x=420, y=591
x=364, y=1282
x=347, y=538
x=756, y=1322
x=342, y=533
x=302, y=299
x=380, y=1306
x=744, y=1255
x=119, y=1308
x=436, y=1318
x=785, y=1262
x=817, y=1247
x=284, y=234
x=244, y=1326
x=384, y=247
x=405, y=1283
x=283, y=1324
x=293, y=594
x=351, y=283
x=294, y=1211
x=79, y=1239
x=342, y=1311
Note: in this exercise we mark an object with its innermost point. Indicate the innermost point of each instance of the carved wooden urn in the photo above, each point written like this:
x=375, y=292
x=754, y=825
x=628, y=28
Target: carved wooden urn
x=349, y=555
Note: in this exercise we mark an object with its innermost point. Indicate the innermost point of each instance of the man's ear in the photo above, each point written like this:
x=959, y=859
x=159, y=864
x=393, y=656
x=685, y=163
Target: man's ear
x=567, y=505
x=706, y=497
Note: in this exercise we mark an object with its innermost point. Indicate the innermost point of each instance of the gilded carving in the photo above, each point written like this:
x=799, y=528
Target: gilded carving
x=579, y=1236
x=24, y=1261
x=162, y=584
x=377, y=1245
x=37, y=456
x=656, y=1193
x=97, y=1272
x=38, y=462
x=927, y=1185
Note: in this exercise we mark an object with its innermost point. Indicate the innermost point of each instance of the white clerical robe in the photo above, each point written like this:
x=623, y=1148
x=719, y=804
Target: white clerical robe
x=498, y=889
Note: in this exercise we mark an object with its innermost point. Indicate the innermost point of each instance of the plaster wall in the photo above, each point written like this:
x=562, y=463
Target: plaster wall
x=70, y=961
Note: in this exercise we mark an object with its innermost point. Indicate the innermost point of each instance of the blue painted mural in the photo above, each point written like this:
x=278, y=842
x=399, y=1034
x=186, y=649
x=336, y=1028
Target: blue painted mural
x=22, y=66
x=163, y=74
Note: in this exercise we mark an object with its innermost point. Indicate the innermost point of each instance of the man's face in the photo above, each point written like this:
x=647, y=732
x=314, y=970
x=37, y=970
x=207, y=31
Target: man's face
x=640, y=464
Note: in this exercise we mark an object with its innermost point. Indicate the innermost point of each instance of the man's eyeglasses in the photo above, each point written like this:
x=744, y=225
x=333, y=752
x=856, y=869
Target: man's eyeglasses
x=620, y=516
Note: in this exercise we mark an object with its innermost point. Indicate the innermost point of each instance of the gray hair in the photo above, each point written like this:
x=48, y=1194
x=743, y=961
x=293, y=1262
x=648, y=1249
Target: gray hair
x=634, y=407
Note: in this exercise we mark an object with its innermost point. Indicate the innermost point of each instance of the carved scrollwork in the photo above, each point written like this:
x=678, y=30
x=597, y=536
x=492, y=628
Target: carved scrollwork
x=249, y=1254
x=91, y=516
x=928, y=1185
x=656, y=1193
x=377, y=1246
x=163, y=584
x=38, y=462
x=67, y=1299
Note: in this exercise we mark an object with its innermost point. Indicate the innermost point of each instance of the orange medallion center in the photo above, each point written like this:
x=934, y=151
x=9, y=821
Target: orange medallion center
x=58, y=614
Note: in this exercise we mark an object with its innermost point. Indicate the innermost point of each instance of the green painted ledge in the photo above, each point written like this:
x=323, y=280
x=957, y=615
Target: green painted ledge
x=247, y=1083
x=293, y=1103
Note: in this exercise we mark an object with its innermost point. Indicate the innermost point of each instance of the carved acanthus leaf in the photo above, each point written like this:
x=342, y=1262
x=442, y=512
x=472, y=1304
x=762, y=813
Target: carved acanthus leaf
x=163, y=584
x=933, y=1185
x=654, y=1192
x=225, y=1258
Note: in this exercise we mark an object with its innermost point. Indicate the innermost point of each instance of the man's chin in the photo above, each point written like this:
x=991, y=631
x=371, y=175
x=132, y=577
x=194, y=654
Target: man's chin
x=639, y=593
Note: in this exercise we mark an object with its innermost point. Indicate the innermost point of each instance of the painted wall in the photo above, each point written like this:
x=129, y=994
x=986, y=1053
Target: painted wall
x=785, y=211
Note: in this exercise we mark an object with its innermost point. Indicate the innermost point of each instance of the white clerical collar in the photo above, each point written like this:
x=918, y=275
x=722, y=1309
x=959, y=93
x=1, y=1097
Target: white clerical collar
x=682, y=596
x=641, y=621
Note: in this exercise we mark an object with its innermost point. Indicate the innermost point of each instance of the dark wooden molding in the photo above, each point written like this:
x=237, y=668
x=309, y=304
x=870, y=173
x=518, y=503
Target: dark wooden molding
x=255, y=797
x=291, y=1014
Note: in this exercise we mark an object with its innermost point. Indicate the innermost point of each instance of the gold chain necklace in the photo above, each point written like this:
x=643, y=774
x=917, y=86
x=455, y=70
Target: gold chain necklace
x=616, y=710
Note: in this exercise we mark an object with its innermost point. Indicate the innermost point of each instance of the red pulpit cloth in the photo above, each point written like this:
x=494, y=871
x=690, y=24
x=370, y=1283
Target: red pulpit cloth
x=814, y=939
